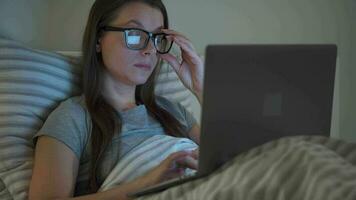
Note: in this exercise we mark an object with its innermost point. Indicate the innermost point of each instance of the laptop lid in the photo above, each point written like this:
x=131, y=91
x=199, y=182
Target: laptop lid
x=257, y=93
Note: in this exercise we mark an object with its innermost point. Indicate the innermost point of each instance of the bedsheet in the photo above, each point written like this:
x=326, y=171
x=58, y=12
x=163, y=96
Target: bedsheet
x=293, y=168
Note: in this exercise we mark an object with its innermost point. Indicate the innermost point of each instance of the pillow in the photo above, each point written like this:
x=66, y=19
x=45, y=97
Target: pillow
x=169, y=86
x=32, y=84
x=4, y=194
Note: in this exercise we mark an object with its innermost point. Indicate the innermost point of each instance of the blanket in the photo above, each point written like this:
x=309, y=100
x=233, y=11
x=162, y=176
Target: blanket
x=145, y=157
x=292, y=168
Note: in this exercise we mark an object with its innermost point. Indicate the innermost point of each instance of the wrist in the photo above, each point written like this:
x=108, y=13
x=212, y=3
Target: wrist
x=148, y=180
x=144, y=181
x=199, y=96
x=123, y=190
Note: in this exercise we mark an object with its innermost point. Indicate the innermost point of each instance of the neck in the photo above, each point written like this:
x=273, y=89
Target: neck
x=120, y=96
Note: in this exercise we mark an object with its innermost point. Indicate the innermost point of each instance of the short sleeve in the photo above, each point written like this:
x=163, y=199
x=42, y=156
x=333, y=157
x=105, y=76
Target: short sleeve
x=178, y=111
x=67, y=124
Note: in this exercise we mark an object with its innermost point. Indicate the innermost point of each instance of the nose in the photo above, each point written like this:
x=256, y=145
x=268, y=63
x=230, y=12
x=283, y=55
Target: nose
x=150, y=48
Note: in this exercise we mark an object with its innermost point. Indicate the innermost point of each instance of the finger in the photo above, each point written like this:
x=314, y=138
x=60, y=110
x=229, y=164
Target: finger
x=175, y=156
x=186, y=49
x=174, y=173
x=179, y=37
x=187, y=162
x=172, y=60
x=188, y=52
x=189, y=55
x=180, y=40
x=184, y=41
x=195, y=153
x=172, y=32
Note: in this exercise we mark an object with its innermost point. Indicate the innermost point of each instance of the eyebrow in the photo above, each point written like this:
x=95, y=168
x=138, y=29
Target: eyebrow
x=133, y=21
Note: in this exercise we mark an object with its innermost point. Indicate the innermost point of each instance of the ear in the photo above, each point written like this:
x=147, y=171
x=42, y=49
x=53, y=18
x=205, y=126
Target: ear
x=98, y=48
x=98, y=45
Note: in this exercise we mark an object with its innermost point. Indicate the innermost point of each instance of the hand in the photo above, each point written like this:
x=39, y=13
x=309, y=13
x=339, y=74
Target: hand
x=173, y=166
x=190, y=70
x=195, y=153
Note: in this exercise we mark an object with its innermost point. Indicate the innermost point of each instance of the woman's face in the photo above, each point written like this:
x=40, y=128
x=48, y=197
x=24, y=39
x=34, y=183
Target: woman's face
x=131, y=67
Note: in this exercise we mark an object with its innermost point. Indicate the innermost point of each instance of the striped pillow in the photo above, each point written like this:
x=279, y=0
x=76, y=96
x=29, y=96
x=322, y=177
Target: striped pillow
x=32, y=83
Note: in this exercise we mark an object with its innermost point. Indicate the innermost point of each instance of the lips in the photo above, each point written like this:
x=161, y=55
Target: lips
x=143, y=66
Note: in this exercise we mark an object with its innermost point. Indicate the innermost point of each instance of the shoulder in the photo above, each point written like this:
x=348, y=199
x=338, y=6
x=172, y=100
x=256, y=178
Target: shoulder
x=73, y=107
x=73, y=110
x=76, y=103
x=68, y=123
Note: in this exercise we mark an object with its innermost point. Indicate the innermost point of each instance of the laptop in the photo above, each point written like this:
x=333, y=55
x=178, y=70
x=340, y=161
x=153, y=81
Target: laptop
x=257, y=93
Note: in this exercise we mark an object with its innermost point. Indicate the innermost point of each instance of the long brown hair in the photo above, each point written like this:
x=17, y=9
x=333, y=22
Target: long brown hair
x=105, y=121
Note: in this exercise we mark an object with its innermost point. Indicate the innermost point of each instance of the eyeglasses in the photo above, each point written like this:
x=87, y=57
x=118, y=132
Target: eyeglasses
x=137, y=39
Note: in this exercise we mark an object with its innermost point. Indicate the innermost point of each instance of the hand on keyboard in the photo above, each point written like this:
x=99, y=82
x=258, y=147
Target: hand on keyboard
x=174, y=166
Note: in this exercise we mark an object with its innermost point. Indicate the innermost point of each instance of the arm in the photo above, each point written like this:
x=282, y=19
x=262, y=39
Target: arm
x=55, y=172
x=194, y=133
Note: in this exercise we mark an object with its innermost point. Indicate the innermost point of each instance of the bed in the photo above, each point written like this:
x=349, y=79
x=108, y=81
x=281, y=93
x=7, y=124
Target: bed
x=33, y=82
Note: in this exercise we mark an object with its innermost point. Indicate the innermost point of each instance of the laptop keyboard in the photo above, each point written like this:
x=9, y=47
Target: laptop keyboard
x=188, y=173
x=165, y=184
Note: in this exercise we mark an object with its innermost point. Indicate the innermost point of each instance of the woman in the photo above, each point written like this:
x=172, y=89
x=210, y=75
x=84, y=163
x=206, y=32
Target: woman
x=123, y=45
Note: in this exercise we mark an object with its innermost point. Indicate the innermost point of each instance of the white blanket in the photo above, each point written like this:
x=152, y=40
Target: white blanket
x=145, y=157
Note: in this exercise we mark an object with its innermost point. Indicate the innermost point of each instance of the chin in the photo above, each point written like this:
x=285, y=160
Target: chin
x=141, y=78
x=140, y=81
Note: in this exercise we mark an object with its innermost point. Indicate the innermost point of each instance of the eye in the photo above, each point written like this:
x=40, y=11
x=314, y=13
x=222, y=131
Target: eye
x=135, y=37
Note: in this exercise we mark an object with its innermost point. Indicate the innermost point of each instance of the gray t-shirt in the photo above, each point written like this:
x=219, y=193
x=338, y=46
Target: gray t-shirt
x=70, y=124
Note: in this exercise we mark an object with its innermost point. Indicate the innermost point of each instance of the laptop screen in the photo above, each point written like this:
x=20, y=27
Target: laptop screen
x=257, y=93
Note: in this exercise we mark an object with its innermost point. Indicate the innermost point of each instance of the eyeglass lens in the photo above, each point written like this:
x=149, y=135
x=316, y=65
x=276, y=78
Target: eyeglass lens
x=137, y=39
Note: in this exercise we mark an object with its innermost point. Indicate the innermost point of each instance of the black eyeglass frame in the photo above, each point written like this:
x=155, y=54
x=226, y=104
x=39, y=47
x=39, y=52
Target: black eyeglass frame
x=151, y=36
